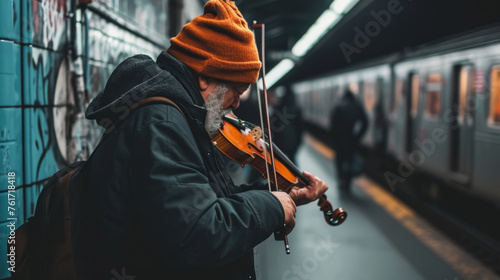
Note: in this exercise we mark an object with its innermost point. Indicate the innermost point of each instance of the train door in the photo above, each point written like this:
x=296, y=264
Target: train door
x=413, y=92
x=461, y=122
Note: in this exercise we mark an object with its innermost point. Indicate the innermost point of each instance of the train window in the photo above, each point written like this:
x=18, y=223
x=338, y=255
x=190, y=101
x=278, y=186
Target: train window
x=335, y=95
x=415, y=92
x=379, y=95
x=494, y=117
x=463, y=85
x=324, y=97
x=315, y=105
x=398, y=94
x=369, y=96
x=433, y=96
x=331, y=100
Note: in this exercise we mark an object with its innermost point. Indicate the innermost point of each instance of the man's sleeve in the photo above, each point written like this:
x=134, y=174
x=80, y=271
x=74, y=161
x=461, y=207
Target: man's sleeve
x=180, y=213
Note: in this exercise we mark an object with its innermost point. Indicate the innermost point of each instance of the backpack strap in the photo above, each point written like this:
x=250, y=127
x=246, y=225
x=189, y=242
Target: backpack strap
x=147, y=100
x=157, y=99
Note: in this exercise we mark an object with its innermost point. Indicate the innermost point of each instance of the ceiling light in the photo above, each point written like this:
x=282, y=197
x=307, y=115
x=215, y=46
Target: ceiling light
x=323, y=24
x=280, y=70
x=342, y=6
x=326, y=21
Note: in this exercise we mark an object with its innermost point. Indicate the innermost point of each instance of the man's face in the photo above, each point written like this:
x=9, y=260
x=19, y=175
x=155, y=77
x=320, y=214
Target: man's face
x=219, y=101
x=231, y=97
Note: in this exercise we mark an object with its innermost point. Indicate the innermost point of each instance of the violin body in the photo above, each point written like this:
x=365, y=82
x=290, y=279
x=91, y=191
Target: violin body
x=244, y=149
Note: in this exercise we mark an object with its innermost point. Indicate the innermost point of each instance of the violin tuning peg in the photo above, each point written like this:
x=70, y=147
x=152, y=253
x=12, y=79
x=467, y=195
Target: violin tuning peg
x=256, y=133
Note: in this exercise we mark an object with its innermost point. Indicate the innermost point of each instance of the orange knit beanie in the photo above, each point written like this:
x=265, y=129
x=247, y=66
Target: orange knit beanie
x=218, y=44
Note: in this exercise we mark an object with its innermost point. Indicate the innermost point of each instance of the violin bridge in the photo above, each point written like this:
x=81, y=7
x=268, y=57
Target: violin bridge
x=256, y=133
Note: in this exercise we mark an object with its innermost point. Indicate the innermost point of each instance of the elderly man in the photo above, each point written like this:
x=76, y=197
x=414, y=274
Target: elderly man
x=162, y=205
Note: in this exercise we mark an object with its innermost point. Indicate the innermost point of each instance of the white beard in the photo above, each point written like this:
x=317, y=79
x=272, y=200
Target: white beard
x=215, y=112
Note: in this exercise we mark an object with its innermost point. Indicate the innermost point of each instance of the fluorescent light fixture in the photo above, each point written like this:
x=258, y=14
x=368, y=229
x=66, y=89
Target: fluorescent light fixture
x=280, y=70
x=342, y=6
x=324, y=23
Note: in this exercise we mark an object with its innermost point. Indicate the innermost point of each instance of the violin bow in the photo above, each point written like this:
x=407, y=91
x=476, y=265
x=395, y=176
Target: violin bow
x=280, y=234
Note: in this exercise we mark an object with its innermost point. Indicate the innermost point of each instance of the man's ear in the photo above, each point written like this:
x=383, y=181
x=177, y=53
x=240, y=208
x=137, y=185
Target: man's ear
x=202, y=83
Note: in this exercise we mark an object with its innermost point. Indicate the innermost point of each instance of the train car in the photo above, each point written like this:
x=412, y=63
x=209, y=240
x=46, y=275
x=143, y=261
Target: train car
x=454, y=93
x=370, y=84
x=434, y=110
x=56, y=56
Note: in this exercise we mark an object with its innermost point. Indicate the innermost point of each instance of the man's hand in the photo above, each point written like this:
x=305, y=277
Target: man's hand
x=313, y=191
x=289, y=208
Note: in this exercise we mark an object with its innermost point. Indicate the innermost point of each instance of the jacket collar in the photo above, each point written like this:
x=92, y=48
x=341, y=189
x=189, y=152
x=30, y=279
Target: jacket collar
x=181, y=72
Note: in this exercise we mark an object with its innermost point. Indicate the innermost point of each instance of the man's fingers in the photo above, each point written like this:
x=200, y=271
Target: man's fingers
x=317, y=185
x=289, y=208
x=294, y=206
x=308, y=175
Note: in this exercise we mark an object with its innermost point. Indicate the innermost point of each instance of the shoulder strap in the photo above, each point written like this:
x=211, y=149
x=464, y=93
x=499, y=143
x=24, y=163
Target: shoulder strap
x=152, y=99
x=156, y=99
x=136, y=105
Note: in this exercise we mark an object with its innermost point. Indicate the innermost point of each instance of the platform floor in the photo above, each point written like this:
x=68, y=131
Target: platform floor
x=381, y=238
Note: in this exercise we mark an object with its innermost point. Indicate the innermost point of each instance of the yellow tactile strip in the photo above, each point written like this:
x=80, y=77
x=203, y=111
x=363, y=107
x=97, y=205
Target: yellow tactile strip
x=459, y=260
x=319, y=146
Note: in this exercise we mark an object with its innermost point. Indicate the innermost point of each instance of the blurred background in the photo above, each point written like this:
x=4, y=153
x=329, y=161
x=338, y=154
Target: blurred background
x=412, y=155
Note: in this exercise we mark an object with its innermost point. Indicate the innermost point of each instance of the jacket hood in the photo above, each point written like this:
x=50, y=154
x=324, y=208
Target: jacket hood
x=138, y=77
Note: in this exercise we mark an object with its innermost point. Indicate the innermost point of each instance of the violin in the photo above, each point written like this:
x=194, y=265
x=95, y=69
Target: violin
x=244, y=143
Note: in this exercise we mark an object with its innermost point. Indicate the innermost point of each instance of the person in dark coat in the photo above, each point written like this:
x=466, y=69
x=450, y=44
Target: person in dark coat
x=286, y=124
x=158, y=203
x=348, y=124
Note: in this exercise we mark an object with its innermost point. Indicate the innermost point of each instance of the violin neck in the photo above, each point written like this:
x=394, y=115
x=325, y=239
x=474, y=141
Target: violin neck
x=288, y=163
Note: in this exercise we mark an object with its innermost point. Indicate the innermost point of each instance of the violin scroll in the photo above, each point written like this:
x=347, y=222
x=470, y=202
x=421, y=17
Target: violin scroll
x=332, y=217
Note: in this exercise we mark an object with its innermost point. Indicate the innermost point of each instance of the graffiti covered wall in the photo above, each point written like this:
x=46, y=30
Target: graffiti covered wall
x=55, y=58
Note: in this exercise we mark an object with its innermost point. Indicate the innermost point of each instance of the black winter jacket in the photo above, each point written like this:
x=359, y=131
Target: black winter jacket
x=161, y=205
x=348, y=124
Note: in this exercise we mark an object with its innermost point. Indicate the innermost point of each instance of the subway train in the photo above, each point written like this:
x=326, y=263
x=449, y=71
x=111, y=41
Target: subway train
x=434, y=112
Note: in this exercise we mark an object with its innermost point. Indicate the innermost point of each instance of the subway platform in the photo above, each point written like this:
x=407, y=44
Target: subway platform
x=381, y=239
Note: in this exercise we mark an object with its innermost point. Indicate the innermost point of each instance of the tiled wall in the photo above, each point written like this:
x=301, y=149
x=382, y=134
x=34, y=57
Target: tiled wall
x=42, y=123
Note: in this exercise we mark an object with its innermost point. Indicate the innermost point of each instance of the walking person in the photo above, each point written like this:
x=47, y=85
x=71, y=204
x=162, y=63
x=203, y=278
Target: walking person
x=287, y=124
x=348, y=124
